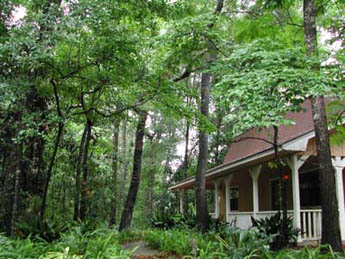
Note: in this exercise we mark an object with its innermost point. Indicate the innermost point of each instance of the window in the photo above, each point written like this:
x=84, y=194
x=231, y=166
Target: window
x=309, y=189
x=234, y=195
x=275, y=194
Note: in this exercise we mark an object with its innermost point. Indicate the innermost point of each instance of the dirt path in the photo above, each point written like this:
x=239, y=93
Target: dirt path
x=143, y=251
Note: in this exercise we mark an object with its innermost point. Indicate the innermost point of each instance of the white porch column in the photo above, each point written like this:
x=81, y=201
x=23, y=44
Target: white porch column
x=227, y=181
x=181, y=202
x=295, y=164
x=254, y=173
x=339, y=164
x=216, y=200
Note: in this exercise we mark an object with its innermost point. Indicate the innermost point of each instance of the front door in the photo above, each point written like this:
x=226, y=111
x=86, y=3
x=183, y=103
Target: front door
x=309, y=189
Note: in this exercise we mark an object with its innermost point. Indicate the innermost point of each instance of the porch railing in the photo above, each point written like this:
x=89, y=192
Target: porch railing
x=311, y=224
x=310, y=221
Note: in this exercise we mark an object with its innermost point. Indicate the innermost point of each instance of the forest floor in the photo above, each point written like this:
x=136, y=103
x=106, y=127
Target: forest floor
x=143, y=251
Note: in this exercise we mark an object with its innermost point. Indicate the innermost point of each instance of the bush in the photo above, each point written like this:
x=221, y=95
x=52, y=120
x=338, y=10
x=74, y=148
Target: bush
x=101, y=243
x=245, y=243
x=321, y=252
x=34, y=227
x=167, y=219
x=270, y=227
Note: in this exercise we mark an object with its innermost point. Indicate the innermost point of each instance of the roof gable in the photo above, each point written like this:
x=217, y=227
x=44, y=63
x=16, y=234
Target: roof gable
x=252, y=141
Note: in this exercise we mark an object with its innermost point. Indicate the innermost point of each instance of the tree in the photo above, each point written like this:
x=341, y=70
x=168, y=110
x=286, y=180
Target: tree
x=200, y=189
x=329, y=204
x=127, y=213
x=114, y=198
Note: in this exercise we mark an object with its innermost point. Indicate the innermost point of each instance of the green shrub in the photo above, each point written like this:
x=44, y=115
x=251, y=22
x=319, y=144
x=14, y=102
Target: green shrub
x=126, y=236
x=270, y=226
x=167, y=219
x=245, y=243
x=321, y=252
x=101, y=243
x=34, y=227
x=173, y=240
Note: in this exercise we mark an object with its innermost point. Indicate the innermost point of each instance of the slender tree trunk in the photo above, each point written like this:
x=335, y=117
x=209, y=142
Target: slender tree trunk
x=329, y=203
x=7, y=190
x=78, y=172
x=50, y=169
x=283, y=238
x=83, y=200
x=167, y=168
x=7, y=198
x=151, y=180
x=63, y=209
x=219, y=124
x=127, y=213
x=185, y=168
x=200, y=190
x=124, y=160
x=15, y=206
x=35, y=166
x=113, y=205
x=55, y=150
x=3, y=169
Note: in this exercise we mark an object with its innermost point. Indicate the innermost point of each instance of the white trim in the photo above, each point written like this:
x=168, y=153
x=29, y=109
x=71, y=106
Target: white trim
x=216, y=198
x=295, y=163
x=227, y=196
x=339, y=164
x=255, y=173
x=287, y=146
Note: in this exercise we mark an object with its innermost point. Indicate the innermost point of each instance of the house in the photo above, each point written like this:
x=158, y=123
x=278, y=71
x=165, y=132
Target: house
x=246, y=185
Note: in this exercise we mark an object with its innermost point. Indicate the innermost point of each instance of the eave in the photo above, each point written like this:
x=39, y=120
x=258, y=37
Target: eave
x=298, y=144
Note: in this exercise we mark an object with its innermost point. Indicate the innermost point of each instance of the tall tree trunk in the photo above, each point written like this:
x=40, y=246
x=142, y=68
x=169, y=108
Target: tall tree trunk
x=36, y=161
x=114, y=198
x=218, y=126
x=78, y=172
x=200, y=190
x=3, y=168
x=124, y=160
x=83, y=189
x=15, y=206
x=185, y=168
x=329, y=203
x=7, y=190
x=55, y=150
x=151, y=180
x=50, y=169
x=283, y=239
x=35, y=177
x=127, y=213
x=63, y=202
x=167, y=167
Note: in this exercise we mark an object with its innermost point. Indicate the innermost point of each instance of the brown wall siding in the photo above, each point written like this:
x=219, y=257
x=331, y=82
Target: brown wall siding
x=336, y=150
x=265, y=189
x=244, y=182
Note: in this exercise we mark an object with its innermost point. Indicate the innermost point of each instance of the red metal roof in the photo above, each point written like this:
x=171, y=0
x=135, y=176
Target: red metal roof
x=242, y=147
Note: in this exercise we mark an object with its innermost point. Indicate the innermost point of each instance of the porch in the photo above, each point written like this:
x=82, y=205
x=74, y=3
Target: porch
x=251, y=192
x=310, y=221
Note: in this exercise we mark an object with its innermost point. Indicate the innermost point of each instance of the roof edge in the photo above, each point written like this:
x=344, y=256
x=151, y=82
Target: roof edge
x=297, y=144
